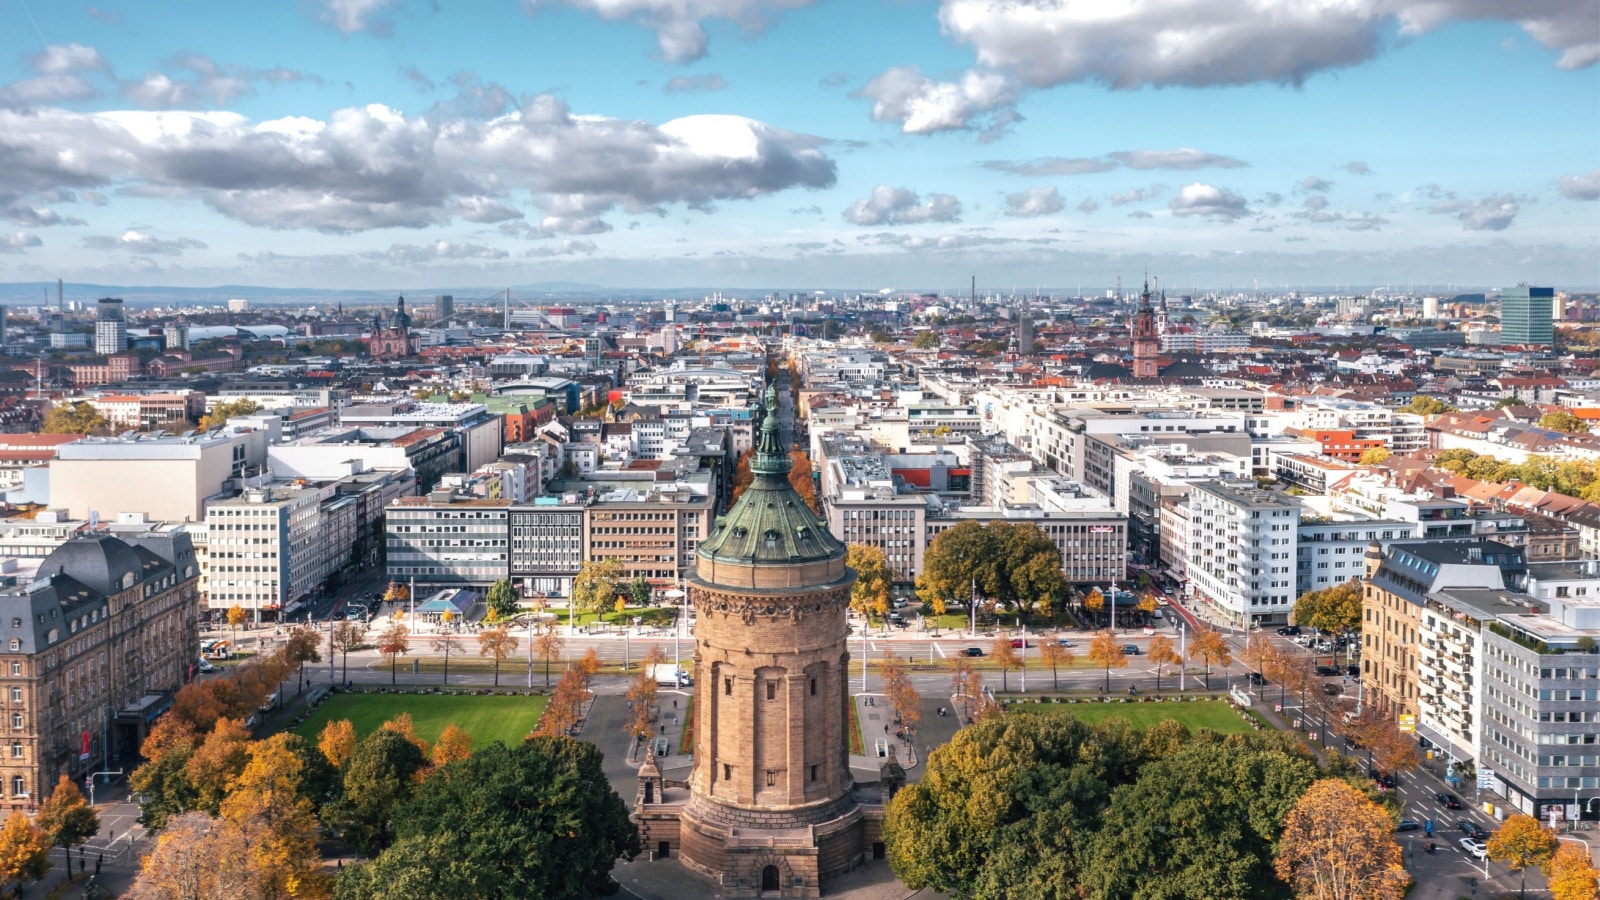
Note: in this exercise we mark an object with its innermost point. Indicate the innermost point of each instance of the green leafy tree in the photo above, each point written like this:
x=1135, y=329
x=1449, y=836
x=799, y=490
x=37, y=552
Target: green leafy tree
x=1015, y=565
x=1563, y=420
x=640, y=591
x=74, y=418
x=1454, y=460
x=1004, y=809
x=66, y=818
x=222, y=412
x=485, y=812
x=1203, y=822
x=1423, y=405
x=597, y=584
x=926, y=340
x=1332, y=610
x=379, y=773
x=501, y=600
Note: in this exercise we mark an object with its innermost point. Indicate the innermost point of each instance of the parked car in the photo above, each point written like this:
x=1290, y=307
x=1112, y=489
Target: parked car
x=206, y=666
x=1448, y=801
x=973, y=651
x=1407, y=825
x=1290, y=631
x=1471, y=829
x=1327, y=671
x=1130, y=650
x=1473, y=847
x=1353, y=671
x=1332, y=690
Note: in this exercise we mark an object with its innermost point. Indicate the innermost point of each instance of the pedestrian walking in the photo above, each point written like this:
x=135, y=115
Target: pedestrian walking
x=97, y=861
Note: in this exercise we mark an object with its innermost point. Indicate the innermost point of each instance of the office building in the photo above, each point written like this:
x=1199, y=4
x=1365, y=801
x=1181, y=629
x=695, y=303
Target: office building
x=110, y=328
x=444, y=307
x=547, y=545
x=1526, y=314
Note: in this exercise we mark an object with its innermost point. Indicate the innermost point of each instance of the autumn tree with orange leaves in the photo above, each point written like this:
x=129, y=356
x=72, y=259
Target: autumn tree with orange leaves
x=1339, y=845
x=1572, y=875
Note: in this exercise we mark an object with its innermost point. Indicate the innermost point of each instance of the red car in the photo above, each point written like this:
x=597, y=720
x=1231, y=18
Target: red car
x=1019, y=643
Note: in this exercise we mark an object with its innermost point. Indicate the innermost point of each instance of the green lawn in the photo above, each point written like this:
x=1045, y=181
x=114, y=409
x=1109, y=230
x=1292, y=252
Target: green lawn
x=1214, y=714
x=486, y=718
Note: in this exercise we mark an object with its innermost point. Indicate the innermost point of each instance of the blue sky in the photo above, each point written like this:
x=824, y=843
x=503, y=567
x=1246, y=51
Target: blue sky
x=798, y=144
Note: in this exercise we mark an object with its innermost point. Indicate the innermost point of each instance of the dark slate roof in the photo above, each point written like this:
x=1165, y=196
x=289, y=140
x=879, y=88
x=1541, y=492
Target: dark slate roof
x=31, y=613
x=97, y=560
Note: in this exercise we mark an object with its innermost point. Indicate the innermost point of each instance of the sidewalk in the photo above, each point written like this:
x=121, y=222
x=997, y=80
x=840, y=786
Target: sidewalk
x=878, y=725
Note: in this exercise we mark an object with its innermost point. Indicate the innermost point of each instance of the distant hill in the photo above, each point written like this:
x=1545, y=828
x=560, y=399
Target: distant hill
x=31, y=293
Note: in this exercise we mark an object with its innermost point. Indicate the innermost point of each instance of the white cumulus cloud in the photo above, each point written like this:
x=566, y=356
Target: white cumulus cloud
x=353, y=16
x=1040, y=201
x=18, y=241
x=900, y=206
x=1211, y=202
x=374, y=167
x=1581, y=187
x=922, y=105
x=680, y=24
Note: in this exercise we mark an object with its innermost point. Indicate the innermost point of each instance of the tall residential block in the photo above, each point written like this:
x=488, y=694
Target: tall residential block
x=110, y=328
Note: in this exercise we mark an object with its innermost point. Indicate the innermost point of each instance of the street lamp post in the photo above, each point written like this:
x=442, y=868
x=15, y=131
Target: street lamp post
x=1183, y=651
x=1024, y=657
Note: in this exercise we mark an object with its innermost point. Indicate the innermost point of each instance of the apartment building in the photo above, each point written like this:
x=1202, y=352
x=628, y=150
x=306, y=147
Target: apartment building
x=1542, y=708
x=1399, y=580
x=95, y=647
x=1450, y=666
x=1242, y=551
x=1331, y=550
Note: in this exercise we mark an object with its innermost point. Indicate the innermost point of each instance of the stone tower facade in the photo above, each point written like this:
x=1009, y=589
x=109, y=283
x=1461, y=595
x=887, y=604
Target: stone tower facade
x=1146, y=340
x=769, y=809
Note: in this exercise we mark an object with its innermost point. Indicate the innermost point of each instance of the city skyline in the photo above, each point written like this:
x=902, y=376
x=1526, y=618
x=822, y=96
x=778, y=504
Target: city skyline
x=369, y=144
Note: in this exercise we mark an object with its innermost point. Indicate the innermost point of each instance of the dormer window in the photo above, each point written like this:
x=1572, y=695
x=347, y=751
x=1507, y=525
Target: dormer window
x=127, y=581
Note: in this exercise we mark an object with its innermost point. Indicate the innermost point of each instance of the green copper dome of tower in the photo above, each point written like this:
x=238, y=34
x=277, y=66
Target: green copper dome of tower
x=770, y=523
